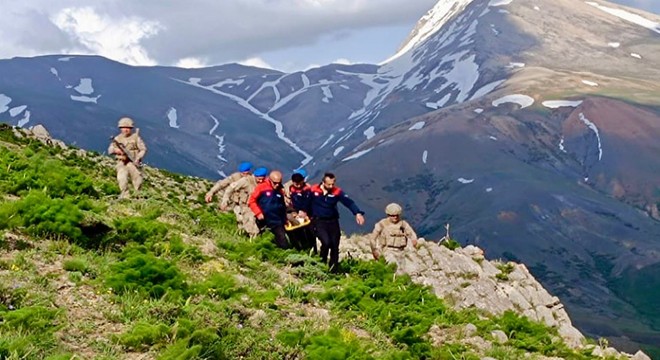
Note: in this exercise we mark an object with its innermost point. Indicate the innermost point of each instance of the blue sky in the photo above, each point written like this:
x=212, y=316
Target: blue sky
x=288, y=35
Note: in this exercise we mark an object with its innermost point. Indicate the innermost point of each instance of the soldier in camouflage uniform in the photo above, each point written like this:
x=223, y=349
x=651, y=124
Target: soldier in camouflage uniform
x=243, y=171
x=136, y=149
x=391, y=236
x=238, y=193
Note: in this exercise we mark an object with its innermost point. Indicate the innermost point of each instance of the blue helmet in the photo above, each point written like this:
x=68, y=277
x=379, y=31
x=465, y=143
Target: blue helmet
x=261, y=171
x=245, y=166
x=301, y=172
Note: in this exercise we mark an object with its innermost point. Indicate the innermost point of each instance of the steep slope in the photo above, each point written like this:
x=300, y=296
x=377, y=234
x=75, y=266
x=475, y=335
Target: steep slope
x=164, y=276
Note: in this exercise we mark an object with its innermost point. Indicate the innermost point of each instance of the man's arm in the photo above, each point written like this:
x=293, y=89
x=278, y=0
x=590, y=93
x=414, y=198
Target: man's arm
x=142, y=149
x=351, y=205
x=410, y=234
x=254, y=206
x=373, y=241
x=236, y=185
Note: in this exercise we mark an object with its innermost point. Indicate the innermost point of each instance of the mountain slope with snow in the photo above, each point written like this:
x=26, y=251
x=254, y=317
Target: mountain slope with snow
x=529, y=125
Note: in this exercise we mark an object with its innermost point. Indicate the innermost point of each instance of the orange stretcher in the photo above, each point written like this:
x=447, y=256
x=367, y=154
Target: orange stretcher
x=297, y=223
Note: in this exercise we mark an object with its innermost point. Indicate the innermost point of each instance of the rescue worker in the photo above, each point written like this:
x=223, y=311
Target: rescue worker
x=267, y=204
x=298, y=191
x=322, y=209
x=287, y=185
x=244, y=170
x=128, y=163
x=391, y=236
x=238, y=193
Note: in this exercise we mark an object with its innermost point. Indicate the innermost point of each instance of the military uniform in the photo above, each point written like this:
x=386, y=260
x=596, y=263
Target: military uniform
x=237, y=194
x=125, y=168
x=390, y=239
x=221, y=185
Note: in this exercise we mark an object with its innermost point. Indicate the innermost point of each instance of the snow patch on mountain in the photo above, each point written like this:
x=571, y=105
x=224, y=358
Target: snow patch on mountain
x=65, y=58
x=357, y=154
x=369, y=133
x=440, y=103
x=593, y=128
x=270, y=84
x=425, y=156
x=215, y=126
x=561, y=145
x=590, y=83
x=85, y=87
x=499, y=2
x=221, y=147
x=85, y=99
x=478, y=110
x=613, y=44
x=635, y=55
x=442, y=12
x=17, y=110
x=172, y=117
x=465, y=181
x=26, y=119
x=55, y=72
x=327, y=94
x=286, y=99
x=327, y=141
x=345, y=87
x=337, y=151
x=513, y=65
x=555, y=104
x=4, y=101
x=418, y=125
x=486, y=89
x=492, y=138
x=628, y=16
x=229, y=82
x=279, y=130
x=537, y=8
x=219, y=138
x=522, y=100
x=464, y=74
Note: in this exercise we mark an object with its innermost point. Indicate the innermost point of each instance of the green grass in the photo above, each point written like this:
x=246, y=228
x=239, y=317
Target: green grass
x=170, y=276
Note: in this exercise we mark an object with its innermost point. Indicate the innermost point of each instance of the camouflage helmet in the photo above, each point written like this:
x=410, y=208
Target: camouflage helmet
x=125, y=122
x=393, y=209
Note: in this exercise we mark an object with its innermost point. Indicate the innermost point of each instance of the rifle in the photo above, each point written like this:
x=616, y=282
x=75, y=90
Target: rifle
x=124, y=150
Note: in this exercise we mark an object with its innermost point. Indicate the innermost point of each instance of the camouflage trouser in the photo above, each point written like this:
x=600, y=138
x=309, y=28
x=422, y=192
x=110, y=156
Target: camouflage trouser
x=124, y=172
x=246, y=220
x=393, y=255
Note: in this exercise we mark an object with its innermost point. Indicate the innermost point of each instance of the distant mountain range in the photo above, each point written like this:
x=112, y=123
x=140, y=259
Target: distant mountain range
x=530, y=126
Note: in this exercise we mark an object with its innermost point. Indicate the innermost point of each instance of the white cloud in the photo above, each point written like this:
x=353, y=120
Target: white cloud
x=256, y=62
x=191, y=63
x=117, y=39
x=342, y=61
x=149, y=32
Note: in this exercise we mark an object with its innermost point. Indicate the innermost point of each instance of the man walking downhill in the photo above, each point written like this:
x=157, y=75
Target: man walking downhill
x=238, y=193
x=267, y=204
x=323, y=211
x=244, y=170
x=128, y=159
x=298, y=192
x=391, y=236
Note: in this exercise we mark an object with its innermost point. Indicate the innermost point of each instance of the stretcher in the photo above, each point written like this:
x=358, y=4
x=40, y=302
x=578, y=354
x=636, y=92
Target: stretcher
x=297, y=223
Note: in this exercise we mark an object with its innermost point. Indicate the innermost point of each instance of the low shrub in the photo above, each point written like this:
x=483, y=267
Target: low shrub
x=140, y=271
x=144, y=335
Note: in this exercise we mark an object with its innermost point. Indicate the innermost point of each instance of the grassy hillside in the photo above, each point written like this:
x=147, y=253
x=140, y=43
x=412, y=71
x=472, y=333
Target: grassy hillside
x=84, y=275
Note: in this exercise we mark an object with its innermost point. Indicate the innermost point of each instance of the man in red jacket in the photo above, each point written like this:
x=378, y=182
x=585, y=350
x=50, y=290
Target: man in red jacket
x=267, y=204
x=322, y=208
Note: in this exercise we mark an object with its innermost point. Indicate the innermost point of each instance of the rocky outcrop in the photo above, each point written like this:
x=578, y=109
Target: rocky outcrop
x=464, y=278
x=40, y=133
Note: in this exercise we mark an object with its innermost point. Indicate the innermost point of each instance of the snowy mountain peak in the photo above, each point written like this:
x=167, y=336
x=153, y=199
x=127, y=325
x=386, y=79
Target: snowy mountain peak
x=430, y=23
